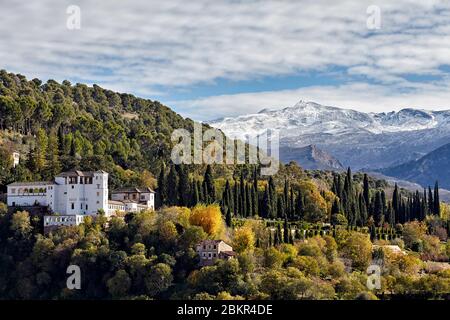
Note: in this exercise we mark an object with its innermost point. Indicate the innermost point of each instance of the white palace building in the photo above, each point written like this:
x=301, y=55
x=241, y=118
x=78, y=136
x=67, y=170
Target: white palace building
x=76, y=194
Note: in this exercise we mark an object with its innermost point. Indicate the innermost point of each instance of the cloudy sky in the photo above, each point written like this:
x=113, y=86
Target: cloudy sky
x=207, y=59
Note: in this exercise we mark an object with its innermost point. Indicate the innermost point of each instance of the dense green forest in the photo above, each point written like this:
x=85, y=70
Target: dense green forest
x=298, y=234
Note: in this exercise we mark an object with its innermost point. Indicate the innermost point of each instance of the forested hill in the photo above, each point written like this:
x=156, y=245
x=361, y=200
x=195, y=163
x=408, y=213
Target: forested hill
x=88, y=127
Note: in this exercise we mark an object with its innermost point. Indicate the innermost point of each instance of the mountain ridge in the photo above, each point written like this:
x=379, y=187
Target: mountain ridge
x=358, y=139
x=426, y=170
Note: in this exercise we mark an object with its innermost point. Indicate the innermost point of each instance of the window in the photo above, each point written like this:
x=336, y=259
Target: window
x=81, y=180
x=214, y=255
x=73, y=205
x=87, y=207
x=81, y=206
x=73, y=187
x=98, y=186
x=215, y=247
x=98, y=194
x=72, y=180
x=13, y=190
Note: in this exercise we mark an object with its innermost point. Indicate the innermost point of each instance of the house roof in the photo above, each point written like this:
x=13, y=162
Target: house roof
x=79, y=173
x=31, y=183
x=207, y=242
x=134, y=190
x=228, y=253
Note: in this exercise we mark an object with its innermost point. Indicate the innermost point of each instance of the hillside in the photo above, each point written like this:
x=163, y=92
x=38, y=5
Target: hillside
x=426, y=170
x=90, y=128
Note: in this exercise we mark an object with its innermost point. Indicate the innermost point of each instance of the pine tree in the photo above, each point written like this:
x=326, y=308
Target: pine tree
x=52, y=157
x=37, y=158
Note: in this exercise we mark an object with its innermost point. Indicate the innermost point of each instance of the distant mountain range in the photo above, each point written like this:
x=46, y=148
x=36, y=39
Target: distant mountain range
x=435, y=166
x=400, y=141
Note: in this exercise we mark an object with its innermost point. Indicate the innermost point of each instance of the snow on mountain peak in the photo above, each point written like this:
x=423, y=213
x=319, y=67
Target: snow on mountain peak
x=306, y=118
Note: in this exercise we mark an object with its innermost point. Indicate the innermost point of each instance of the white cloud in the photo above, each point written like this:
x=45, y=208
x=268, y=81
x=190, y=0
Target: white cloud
x=358, y=96
x=157, y=46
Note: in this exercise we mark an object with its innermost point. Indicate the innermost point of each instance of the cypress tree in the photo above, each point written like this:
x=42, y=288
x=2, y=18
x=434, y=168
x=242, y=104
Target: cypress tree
x=162, y=185
x=437, y=203
x=266, y=209
x=254, y=201
x=280, y=208
x=286, y=196
x=286, y=230
x=300, y=206
x=172, y=186
x=430, y=201
x=378, y=209
x=396, y=201
x=228, y=218
x=183, y=185
x=196, y=195
x=363, y=211
x=209, y=189
x=201, y=197
x=366, y=191
x=255, y=193
x=292, y=204
x=273, y=197
x=236, y=198
x=249, y=201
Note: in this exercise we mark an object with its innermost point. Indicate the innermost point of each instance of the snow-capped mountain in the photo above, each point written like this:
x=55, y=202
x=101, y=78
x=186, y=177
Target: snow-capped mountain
x=358, y=139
